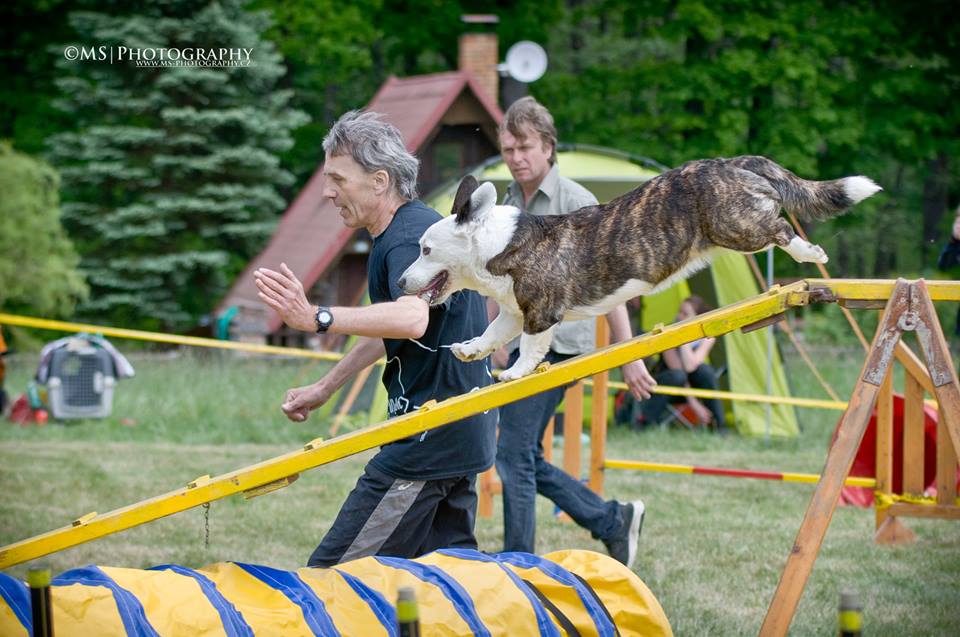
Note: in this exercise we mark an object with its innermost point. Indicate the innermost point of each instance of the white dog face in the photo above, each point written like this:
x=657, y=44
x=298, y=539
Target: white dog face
x=449, y=253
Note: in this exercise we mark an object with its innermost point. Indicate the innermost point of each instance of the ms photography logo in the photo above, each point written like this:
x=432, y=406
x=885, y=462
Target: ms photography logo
x=160, y=56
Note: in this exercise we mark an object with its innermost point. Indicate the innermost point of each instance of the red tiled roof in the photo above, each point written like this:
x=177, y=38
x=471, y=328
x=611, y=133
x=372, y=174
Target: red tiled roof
x=310, y=235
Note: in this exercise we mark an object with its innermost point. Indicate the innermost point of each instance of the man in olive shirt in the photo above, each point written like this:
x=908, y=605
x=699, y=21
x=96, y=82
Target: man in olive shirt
x=528, y=142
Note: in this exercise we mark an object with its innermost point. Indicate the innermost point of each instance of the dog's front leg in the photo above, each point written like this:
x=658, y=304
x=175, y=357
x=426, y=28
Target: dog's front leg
x=533, y=347
x=500, y=332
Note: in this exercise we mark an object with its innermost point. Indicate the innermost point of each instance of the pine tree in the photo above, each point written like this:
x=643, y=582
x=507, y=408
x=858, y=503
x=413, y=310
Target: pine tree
x=170, y=177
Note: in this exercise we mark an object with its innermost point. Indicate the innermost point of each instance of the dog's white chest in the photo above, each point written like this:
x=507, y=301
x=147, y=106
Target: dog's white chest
x=630, y=289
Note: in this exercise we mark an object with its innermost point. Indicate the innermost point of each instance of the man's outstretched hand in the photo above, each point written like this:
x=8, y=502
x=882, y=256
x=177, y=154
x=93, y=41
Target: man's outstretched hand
x=283, y=292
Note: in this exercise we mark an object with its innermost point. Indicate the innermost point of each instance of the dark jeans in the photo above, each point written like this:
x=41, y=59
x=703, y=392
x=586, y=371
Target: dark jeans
x=524, y=473
x=391, y=516
x=703, y=377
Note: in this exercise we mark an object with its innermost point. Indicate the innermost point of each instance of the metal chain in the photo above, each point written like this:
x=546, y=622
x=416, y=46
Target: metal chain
x=206, y=525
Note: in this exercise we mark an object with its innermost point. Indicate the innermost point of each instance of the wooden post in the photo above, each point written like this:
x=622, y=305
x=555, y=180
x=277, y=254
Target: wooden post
x=485, y=498
x=884, y=442
x=890, y=530
x=942, y=374
x=490, y=484
x=913, y=436
x=598, y=415
x=351, y=397
x=839, y=459
x=572, y=428
x=946, y=464
x=547, y=441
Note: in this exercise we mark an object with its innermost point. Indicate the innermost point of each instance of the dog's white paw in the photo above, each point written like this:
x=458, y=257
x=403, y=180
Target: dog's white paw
x=508, y=375
x=471, y=350
x=515, y=372
x=805, y=252
x=818, y=254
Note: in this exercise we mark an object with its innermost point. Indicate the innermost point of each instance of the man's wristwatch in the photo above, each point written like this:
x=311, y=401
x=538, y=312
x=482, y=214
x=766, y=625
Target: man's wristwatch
x=323, y=318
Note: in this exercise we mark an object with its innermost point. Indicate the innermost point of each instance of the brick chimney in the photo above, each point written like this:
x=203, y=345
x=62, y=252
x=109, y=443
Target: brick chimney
x=478, y=53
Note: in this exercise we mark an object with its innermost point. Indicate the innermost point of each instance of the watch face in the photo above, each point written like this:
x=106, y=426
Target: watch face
x=325, y=317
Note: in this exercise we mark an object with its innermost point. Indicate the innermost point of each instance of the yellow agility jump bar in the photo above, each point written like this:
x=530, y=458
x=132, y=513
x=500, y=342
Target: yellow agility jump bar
x=811, y=403
x=668, y=390
x=158, y=337
x=195, y=341
x=283, y=469
x=782, y=476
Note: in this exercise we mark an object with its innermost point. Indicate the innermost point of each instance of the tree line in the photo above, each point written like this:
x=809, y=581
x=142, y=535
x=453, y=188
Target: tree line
x=171, y=178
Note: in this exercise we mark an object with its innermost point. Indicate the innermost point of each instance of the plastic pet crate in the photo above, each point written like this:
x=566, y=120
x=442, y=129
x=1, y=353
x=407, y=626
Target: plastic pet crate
x=80, y=383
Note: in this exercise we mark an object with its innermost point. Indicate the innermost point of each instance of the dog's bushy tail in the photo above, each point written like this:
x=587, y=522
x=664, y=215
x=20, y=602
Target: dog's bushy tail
x=810, y=199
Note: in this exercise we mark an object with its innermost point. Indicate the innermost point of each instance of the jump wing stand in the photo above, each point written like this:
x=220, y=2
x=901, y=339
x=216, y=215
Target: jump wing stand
x=908, y=310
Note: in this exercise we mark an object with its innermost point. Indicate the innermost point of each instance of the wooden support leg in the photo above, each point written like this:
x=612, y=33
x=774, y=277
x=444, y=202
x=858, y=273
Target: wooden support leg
x=891, y=530
x=935, y=350
x=485, y=498
x=913, y=436
x=598, y=416
x=547, y=441
x=572, y=428
x=350, y=398
x=490, y=484
x=884, y=443
x=839, y=459
x=946, y=479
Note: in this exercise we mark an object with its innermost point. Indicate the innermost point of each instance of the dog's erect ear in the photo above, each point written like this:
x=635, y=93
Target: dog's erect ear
x=461, y=202
x=483, y=199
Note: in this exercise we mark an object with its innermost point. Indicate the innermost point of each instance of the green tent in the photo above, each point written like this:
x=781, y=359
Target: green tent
x=609, y=173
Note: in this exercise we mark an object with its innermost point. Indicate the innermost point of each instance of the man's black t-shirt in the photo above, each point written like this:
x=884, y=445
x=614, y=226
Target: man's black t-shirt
x=425, y=369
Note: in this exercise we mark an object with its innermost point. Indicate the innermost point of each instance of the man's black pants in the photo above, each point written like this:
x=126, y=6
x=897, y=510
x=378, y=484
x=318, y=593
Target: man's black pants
x=391, y=516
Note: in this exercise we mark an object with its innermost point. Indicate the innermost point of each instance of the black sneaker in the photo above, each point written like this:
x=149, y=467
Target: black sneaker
x=623, y=547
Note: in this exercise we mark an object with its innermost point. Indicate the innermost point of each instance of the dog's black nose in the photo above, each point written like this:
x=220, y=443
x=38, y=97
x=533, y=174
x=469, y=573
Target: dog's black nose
x=402, y=283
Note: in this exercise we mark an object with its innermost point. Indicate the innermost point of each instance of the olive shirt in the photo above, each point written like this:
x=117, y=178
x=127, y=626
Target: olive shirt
x=558, y=196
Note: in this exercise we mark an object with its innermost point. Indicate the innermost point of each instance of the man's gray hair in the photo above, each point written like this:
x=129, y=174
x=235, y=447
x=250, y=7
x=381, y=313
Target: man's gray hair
x=375, y=145
x=527, y=111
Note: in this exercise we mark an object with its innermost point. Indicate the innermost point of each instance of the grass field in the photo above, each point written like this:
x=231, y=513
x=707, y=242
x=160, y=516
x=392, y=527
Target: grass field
x=712, y=549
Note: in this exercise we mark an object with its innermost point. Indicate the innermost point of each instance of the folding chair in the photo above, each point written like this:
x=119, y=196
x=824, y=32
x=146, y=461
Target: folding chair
x=682, y=413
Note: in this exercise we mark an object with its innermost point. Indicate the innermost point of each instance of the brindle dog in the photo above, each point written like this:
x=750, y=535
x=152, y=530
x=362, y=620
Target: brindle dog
x=544, y=269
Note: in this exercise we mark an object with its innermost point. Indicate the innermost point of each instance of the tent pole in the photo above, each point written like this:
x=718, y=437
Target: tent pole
x=785, y=326
x=769, y=407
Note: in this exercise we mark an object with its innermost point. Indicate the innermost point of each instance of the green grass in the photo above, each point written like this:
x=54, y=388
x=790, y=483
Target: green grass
x=712, y=548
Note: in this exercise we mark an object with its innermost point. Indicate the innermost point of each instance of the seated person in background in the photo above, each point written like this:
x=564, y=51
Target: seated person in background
x=687, y=365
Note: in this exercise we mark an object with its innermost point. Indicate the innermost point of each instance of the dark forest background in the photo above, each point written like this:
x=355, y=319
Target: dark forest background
x=825, y=88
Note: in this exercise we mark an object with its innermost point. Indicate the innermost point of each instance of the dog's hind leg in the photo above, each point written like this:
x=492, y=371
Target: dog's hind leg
x=533, y=347
x=498, y=333
x=759, y=227
x=781, y=234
